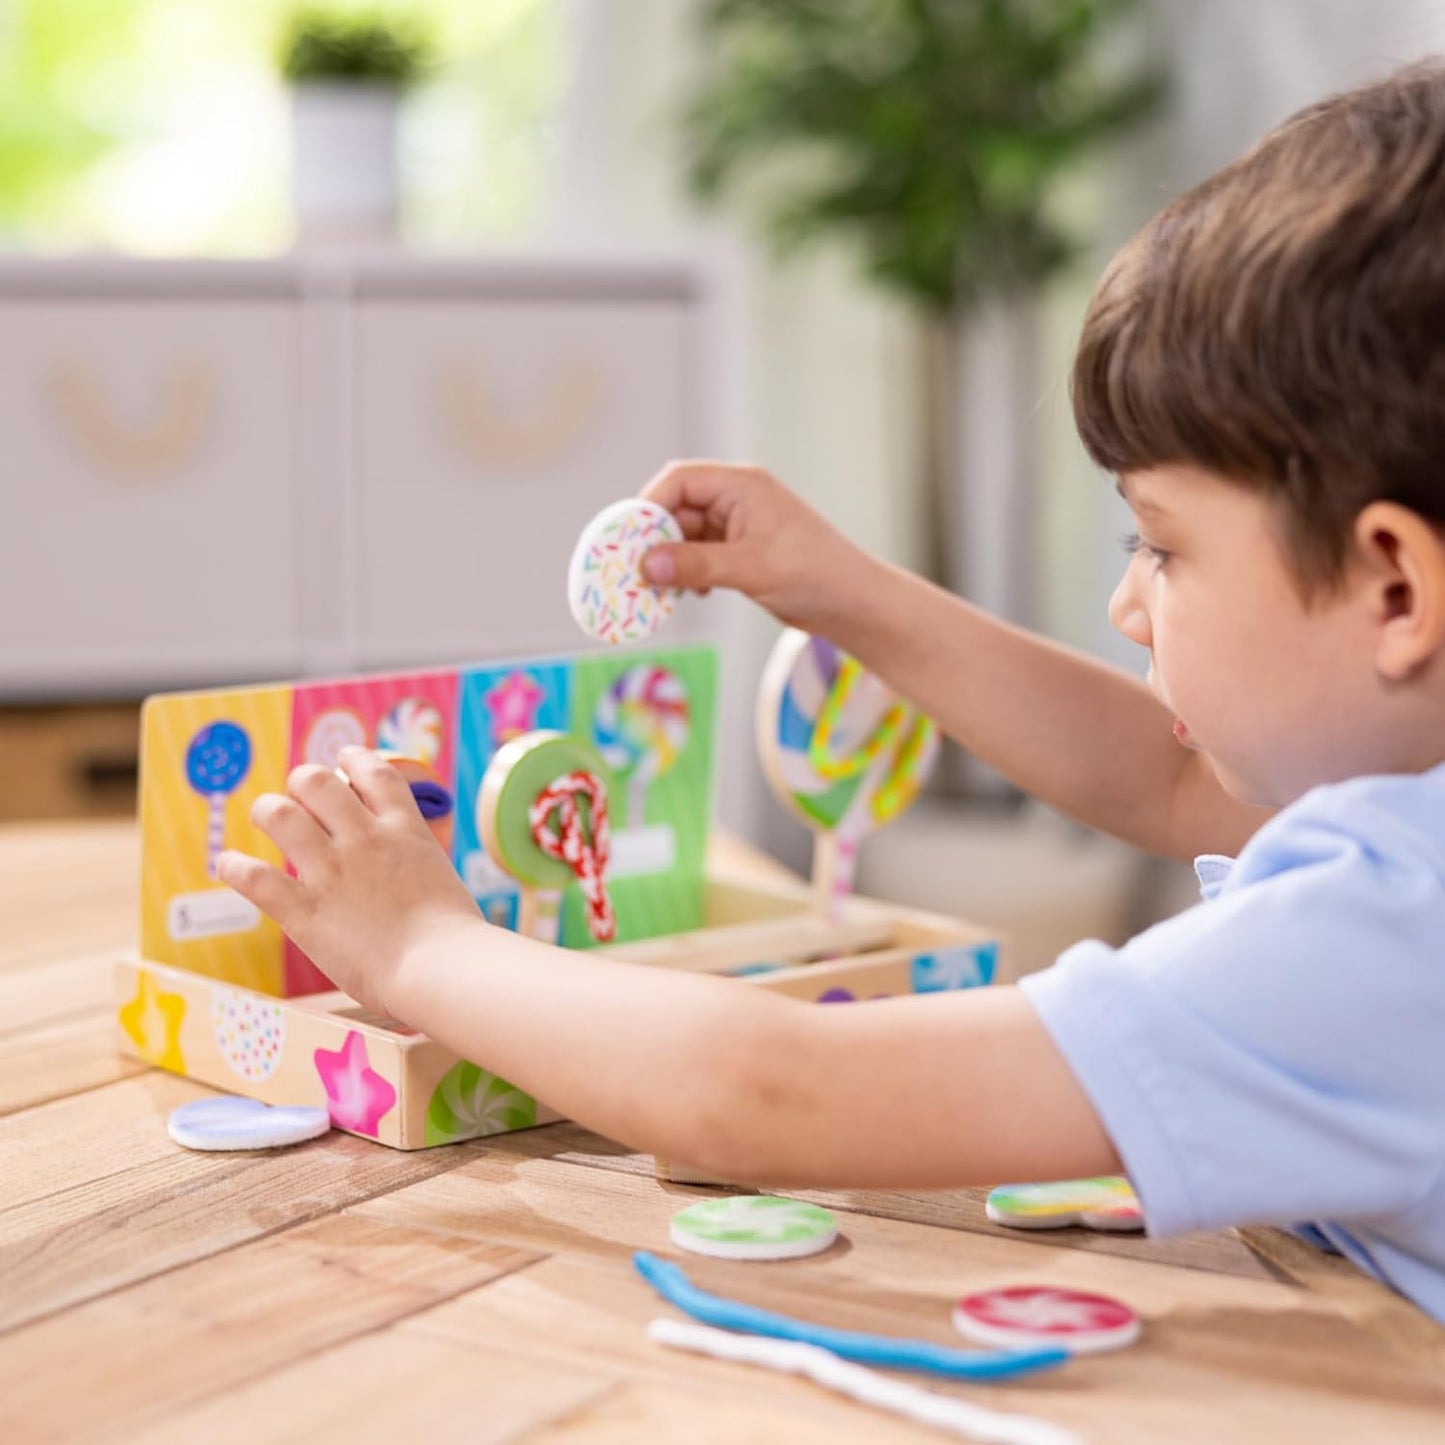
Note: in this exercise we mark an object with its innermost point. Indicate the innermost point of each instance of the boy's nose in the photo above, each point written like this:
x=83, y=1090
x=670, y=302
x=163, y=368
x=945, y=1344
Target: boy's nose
x=1126, y=612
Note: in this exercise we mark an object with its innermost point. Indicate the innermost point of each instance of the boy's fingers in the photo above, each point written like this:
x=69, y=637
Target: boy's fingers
x=326, y=797
x=696, y=566
x=376, y=783
x=696, y=486
x=272, y=891
x=294, y=830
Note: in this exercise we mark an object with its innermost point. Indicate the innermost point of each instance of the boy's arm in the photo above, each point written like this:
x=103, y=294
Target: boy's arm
x=750, y=1087
x=1088, y=739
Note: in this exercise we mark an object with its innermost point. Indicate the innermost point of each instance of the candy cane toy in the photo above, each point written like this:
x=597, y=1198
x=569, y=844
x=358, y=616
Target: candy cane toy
x=542, y=813
x=840, y=750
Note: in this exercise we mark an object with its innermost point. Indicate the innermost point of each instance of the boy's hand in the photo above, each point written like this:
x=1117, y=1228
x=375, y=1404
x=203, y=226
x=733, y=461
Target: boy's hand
x=746, y=531
x=372, y=885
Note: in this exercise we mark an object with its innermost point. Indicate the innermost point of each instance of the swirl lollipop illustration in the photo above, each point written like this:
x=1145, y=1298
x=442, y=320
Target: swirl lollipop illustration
x=217, y=759
x=542, y=812
x=640, y=727
x=840, y=750
x=413, y=729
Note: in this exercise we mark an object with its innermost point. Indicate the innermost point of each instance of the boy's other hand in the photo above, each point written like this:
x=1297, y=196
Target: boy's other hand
x=371, y=884
x=745, y=530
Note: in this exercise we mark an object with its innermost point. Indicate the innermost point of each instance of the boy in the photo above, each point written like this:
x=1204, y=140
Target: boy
x=1263, y=368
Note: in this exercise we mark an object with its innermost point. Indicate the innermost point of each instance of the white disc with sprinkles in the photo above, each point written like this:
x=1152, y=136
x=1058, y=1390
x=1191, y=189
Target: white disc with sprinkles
x=608, y=595
x=1026, y=1316
x=754, y=1226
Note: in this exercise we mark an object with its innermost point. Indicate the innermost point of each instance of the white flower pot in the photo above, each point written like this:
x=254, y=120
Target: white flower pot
x=344, y=168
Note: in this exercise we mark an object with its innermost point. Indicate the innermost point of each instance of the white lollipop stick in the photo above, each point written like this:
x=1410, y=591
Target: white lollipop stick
x=216, y=834
x=858, y=1382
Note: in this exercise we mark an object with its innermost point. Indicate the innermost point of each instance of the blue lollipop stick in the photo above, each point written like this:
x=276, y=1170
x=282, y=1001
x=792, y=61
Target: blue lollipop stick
x=675, y=1287
x=218, y=758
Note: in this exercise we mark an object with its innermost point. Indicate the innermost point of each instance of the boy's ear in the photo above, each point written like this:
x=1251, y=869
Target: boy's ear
x=1404, y=560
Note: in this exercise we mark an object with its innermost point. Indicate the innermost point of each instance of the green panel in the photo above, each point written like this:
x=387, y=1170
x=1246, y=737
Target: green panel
x=653, y=716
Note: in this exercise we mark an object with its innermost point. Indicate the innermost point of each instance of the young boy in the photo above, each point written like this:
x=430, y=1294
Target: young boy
x=1263, y=368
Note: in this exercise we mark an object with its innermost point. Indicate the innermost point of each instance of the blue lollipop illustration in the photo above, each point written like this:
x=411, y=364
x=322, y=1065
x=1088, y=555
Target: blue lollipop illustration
x=216, y=761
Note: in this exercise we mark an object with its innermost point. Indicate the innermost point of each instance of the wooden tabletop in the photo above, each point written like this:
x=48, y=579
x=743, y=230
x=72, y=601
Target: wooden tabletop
x=483, y=1291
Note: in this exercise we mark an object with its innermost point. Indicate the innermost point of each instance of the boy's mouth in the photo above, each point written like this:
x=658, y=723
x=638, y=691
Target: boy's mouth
x=1181, y=733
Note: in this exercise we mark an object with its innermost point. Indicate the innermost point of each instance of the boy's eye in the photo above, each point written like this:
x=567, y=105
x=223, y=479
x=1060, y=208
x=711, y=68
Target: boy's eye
x=1132, y=542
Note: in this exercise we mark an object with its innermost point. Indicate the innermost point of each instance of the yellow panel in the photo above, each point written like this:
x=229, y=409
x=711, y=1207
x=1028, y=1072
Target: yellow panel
x=205, y=758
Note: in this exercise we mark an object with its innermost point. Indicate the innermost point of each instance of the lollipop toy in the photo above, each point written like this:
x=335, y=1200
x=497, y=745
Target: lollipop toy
x=608, y=595
x=840, y=750
x=216, y=761
x=542, y=814
x=640, y=728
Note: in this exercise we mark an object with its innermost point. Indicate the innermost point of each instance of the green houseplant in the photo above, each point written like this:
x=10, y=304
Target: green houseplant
x=347, y=76
x=929, y=135
x=323, y=47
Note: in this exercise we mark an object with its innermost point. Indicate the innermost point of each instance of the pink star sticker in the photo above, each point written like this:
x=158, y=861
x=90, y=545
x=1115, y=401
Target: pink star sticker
x=357, y=1096
x=513, y=704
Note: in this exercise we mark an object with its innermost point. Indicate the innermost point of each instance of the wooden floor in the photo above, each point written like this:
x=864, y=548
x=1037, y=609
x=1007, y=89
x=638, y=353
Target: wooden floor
x=482, y=1292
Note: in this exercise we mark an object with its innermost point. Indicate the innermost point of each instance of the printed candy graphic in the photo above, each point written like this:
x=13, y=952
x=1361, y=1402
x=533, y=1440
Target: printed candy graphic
x=330, y=731
x=357, y=1096
x=153, y=1019
x=640, y=728
x=512, y=706
x=216, y=761
x=414, y=728
x=250, y=1032
x=469, y=1102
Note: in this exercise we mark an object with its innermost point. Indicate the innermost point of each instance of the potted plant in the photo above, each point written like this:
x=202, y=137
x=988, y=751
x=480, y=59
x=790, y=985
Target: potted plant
x=930, y=135
x=347, y=78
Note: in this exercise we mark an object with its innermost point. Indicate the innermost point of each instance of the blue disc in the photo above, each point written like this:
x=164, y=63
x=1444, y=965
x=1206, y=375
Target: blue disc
x=218, y=758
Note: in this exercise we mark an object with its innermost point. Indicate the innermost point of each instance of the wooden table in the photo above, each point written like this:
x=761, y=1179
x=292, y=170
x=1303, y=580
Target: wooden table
x=342, y=1291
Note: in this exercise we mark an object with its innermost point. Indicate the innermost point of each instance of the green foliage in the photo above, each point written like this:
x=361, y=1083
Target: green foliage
x=328, y=47
x=930, y=132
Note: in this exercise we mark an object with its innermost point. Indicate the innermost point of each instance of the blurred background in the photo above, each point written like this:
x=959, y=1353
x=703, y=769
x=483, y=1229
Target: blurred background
x=324, y=328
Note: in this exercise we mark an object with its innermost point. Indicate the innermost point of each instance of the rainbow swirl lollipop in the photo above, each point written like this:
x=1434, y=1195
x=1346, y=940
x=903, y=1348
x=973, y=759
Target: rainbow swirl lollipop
x=640, y=727
x=542, y=813
x=840, y=750
x=218, y=758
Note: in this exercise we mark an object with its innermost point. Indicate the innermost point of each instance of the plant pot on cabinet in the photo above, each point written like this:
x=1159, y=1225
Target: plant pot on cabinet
x=344, y=183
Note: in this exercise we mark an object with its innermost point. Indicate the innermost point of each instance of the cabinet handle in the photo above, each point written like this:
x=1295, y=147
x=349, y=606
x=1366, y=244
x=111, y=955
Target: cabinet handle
x=568, y=410
x=135, y=453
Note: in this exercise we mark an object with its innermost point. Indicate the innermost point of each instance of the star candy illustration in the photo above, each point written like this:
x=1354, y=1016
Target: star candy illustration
x=513, y=704
x=357, y=1096
x=153, y=1020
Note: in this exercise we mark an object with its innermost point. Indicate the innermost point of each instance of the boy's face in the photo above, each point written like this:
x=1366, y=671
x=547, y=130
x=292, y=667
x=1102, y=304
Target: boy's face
x=1276, y=696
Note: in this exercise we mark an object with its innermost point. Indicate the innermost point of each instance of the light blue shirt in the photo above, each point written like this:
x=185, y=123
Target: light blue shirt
x=1276, y=1054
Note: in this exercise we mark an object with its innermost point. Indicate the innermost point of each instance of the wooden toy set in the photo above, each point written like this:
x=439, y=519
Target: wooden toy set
x=573, y=797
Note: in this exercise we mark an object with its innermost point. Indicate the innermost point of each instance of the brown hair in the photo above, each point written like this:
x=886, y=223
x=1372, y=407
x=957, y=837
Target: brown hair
x=1283, y=323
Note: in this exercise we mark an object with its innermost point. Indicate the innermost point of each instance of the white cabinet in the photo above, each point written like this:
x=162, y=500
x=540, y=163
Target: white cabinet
x=216, y=471
x=147, y=488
